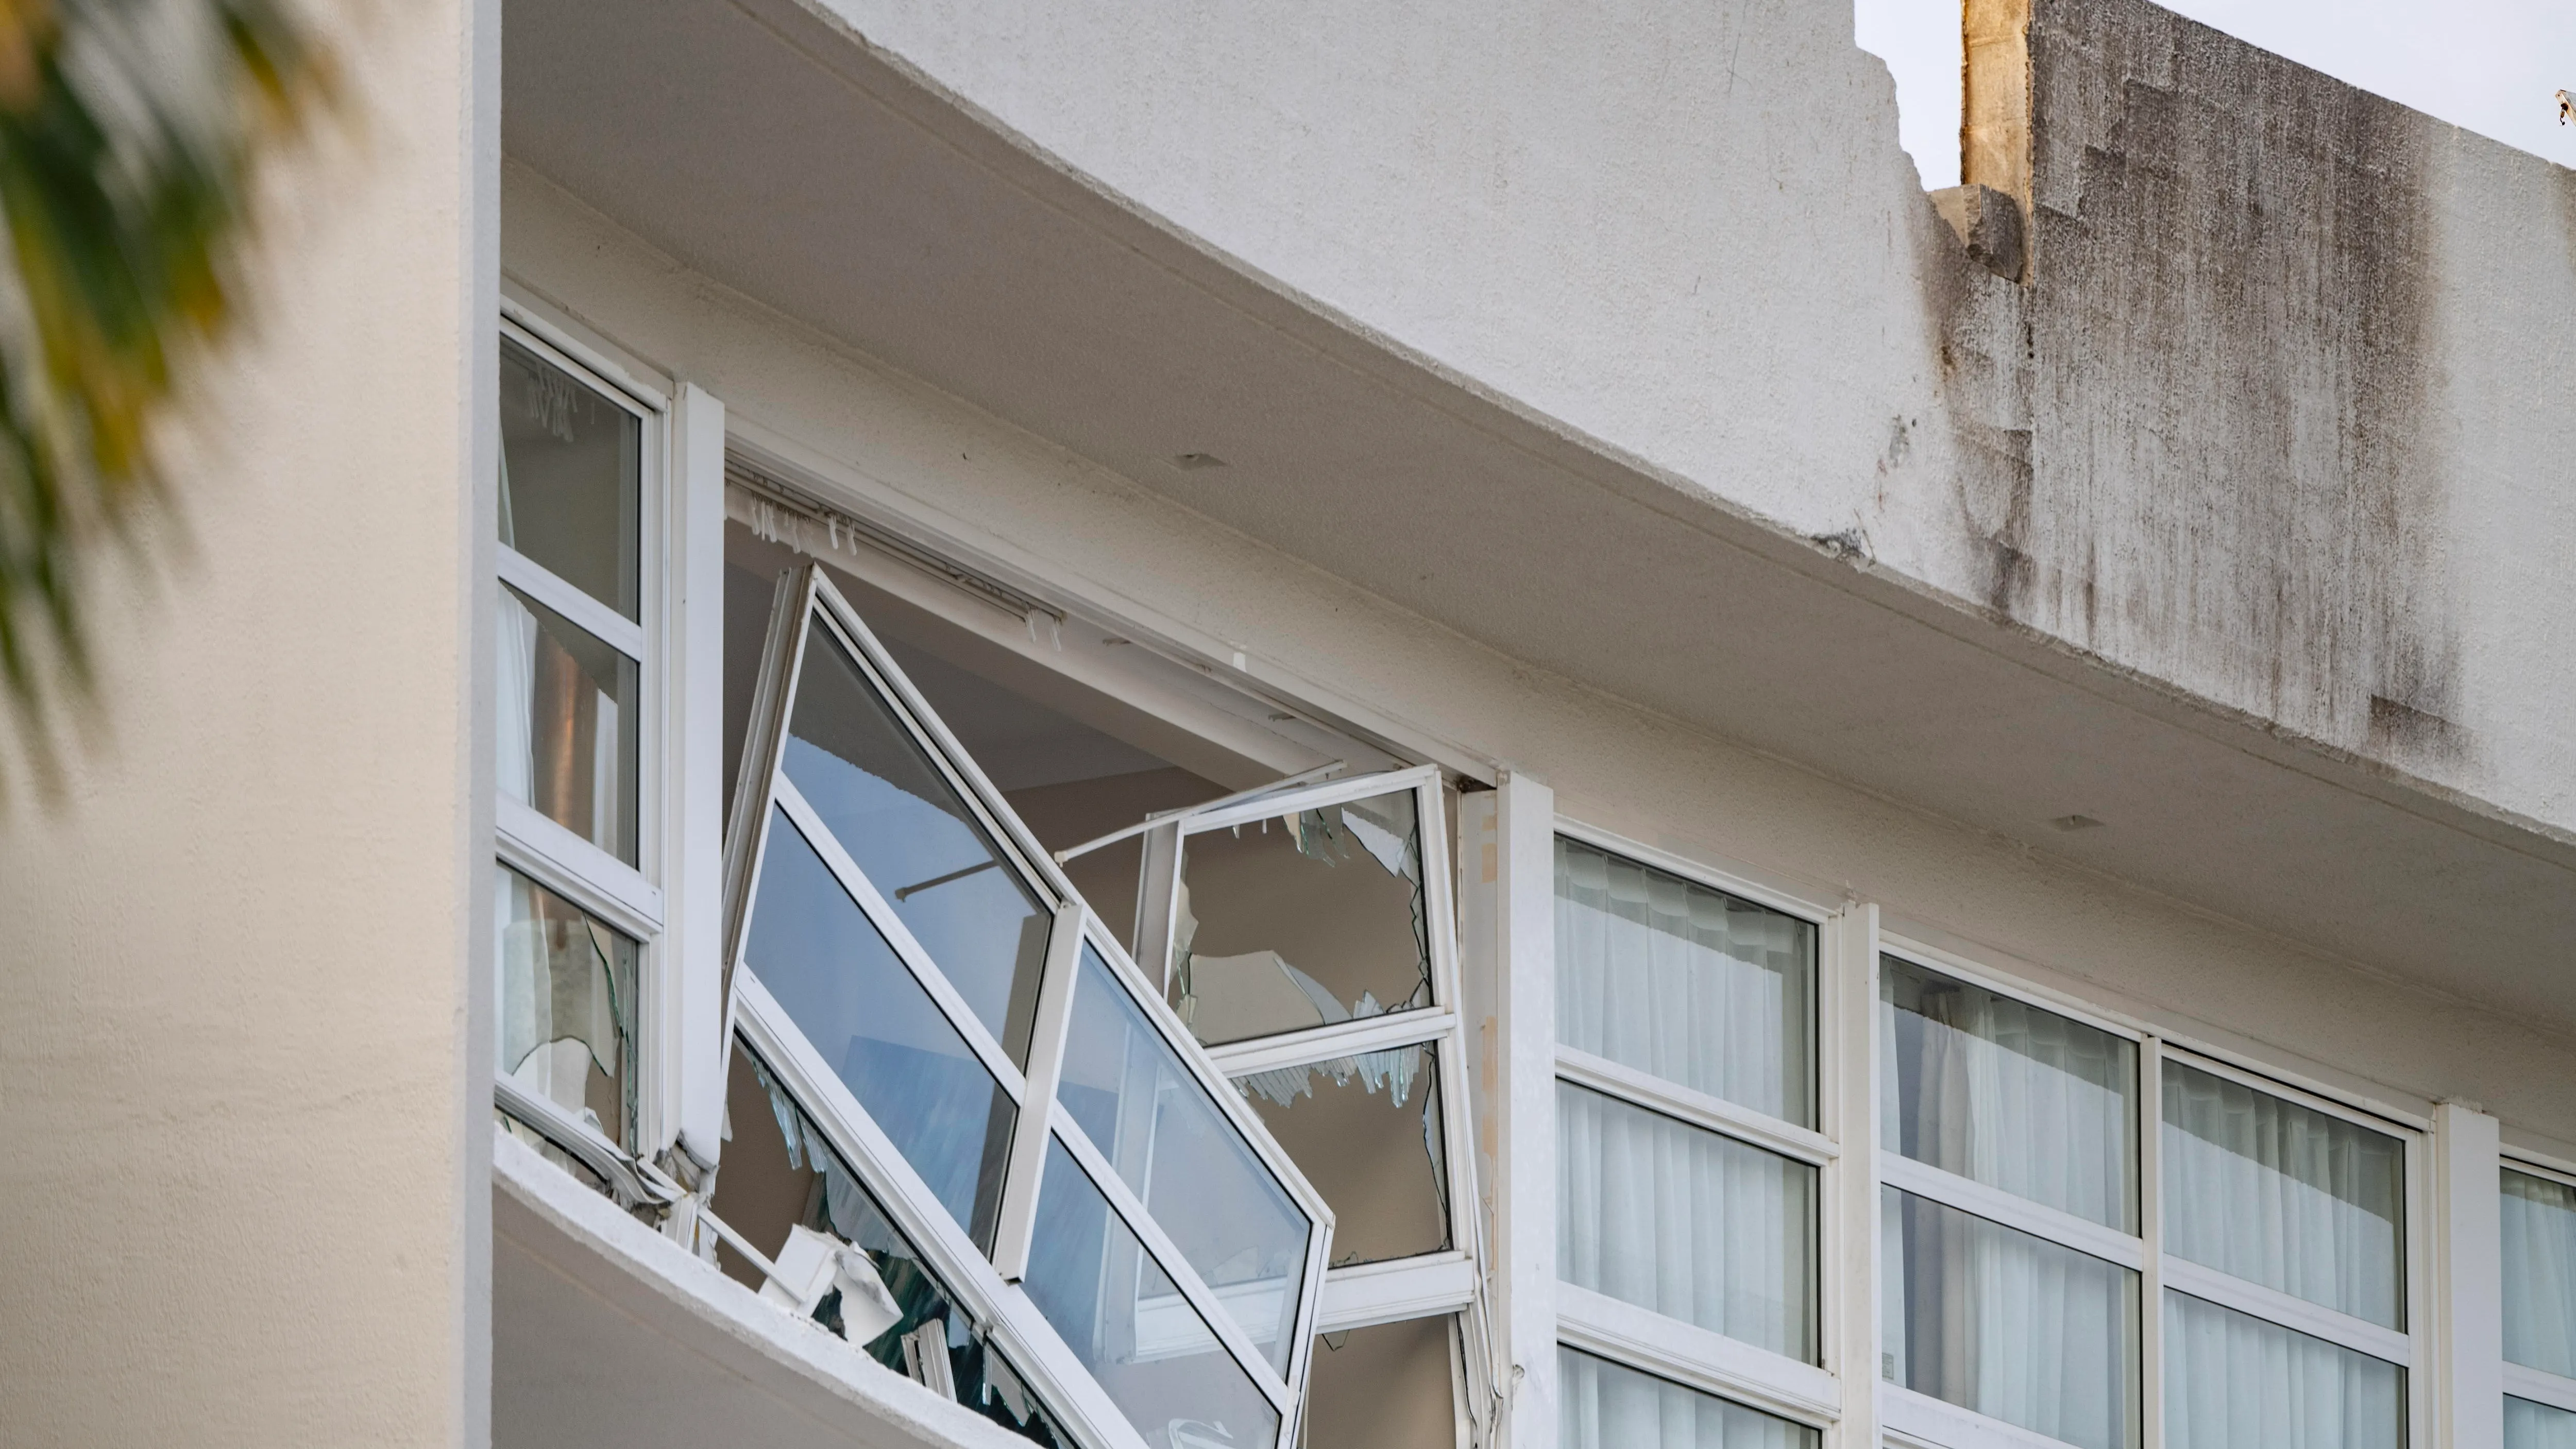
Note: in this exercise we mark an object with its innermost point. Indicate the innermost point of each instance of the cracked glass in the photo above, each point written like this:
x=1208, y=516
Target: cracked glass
x=1302, y=919
x=1365, y=1130
x=565, y=1005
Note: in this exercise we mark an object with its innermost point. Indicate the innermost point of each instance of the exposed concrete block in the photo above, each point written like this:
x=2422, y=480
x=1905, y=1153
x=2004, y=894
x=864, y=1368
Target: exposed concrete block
x=1989, y=222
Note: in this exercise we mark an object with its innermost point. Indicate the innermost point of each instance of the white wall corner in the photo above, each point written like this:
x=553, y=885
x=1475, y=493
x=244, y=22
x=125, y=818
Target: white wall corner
x=2468, y=1277
x=694, y=887
x=1525, y=956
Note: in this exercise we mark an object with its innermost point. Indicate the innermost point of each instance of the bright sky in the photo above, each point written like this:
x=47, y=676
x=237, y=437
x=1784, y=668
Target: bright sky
x=2488, y=65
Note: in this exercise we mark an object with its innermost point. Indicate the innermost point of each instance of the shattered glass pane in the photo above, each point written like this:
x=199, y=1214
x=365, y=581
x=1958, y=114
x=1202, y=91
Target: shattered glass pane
x=1366, y=1132
x=566, y=741
x=1128, y=1323
x=780, y=1174
x=1301, y=920
x=565, y=987
x=1686, y=983
x=865, y=1015
x=918, y=843
x=1195, y=1173
x=571, y=470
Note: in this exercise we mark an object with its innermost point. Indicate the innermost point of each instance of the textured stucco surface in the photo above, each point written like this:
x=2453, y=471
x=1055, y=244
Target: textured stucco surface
x=2277, y=425
x=244, y=1181
x=2287, y=416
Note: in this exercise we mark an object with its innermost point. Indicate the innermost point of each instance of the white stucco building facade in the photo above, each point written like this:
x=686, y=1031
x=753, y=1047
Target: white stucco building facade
x=1128, y=725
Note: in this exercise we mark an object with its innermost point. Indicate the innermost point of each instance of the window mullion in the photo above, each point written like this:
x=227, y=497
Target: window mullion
x=2151, y=1218
x=2270, y=1304
x=1852, y=1273
x=2020, y=1214
x=574, y=868
x=573, y=602
x=1696, y=1108
x=1016, y=1226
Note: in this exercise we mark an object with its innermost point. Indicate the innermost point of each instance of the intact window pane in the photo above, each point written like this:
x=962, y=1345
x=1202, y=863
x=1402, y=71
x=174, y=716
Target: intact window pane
x=571, y=462
x=867, y=1018
x=566, y=742
x=1688, y=983
x=1300, y=920
x=1365, y=1130
x=2537, y=1426
x=2237, y=1382
x=2539, y=1273
x=1603, y=1405
x=2008, y=1325
x=1387, y=1387
x=780, y=1174
x=1195, y=1173
x=2037, y=1104
x=1691, y=1224
x=917, y=841
x=1128, y=1323
x=566, y=1005
x=2283, y=1195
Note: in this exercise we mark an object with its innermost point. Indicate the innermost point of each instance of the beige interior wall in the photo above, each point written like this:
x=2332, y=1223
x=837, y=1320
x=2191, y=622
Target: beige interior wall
x=1270, y=619
x=244, y=1177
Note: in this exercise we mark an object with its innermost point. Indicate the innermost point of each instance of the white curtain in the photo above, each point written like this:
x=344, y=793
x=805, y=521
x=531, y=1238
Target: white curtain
x=1693, y=1225
x=1602, y=1405
x=2234, y=1382
x=1684, y=982
x=2282, y=1195
x=2012, y=1096
x=2537, y=1426
x=2009, y=1325
x=515, y=699
x=2540, y=1276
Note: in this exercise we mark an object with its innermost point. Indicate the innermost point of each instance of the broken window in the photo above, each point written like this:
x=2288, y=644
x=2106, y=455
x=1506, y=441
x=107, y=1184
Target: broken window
x=1388, y=1386
x=924, y=984
x=843, y=1262
x=565, y=1008
x=1368, y=1132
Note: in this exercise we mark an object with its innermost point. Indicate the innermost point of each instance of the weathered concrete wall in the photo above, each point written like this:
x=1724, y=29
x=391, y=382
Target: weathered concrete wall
x=2287, y=414
x=245, y=1170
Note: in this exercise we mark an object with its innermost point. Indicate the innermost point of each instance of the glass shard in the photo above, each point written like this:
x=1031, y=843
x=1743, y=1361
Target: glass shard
x=1365, y=1130
x=571, y=470
x=1991, y=1088
x=874, y=1025
x=566, y=737
x=2539, y=1221
x=2237, y=1382
x=1177, y=1152
x=565, y=994
x=1603, y=1405
x=1686, y=1222
x=1129, y=1325
x=2284, y=1195
x=1301, y=920
x=1686, y=983
x=2008, y=1325
x=780, y=1174
x=919, y=844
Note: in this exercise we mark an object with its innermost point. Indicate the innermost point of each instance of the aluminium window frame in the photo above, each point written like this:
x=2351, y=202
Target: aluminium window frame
x=807, y=598
x=1922, y=1422
x=630, y=899
x=2521, y=1381
x=1814, y=1395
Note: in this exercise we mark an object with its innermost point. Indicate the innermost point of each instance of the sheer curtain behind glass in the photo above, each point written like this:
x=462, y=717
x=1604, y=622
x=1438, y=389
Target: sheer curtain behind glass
x=2537, y=1426
x=2539, y=1219
x=1685, y=983
x=1602, y=1405
x=2233, y=1381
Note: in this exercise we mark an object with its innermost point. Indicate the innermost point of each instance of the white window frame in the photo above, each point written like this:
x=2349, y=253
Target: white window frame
x=1670, y=1348
x=2522, y=1381
x=988, y=1287
x=1926, y=1423
x=629, y=898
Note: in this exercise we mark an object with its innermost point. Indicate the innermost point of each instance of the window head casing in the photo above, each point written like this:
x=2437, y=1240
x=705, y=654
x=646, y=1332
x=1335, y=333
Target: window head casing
x=923, y=978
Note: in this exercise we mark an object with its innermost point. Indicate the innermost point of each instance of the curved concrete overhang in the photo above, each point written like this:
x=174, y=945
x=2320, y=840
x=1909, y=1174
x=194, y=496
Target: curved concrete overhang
x=772, y=150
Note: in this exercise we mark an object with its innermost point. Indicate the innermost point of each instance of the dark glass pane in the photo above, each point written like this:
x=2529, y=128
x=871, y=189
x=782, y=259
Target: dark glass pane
x=1129, y=1324
x=919, y=844
x=1177, y=1152
x=571, y=466
x=872, y=1023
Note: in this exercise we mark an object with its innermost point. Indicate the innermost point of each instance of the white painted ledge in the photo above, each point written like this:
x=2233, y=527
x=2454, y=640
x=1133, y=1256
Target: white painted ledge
x=607, y=1334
